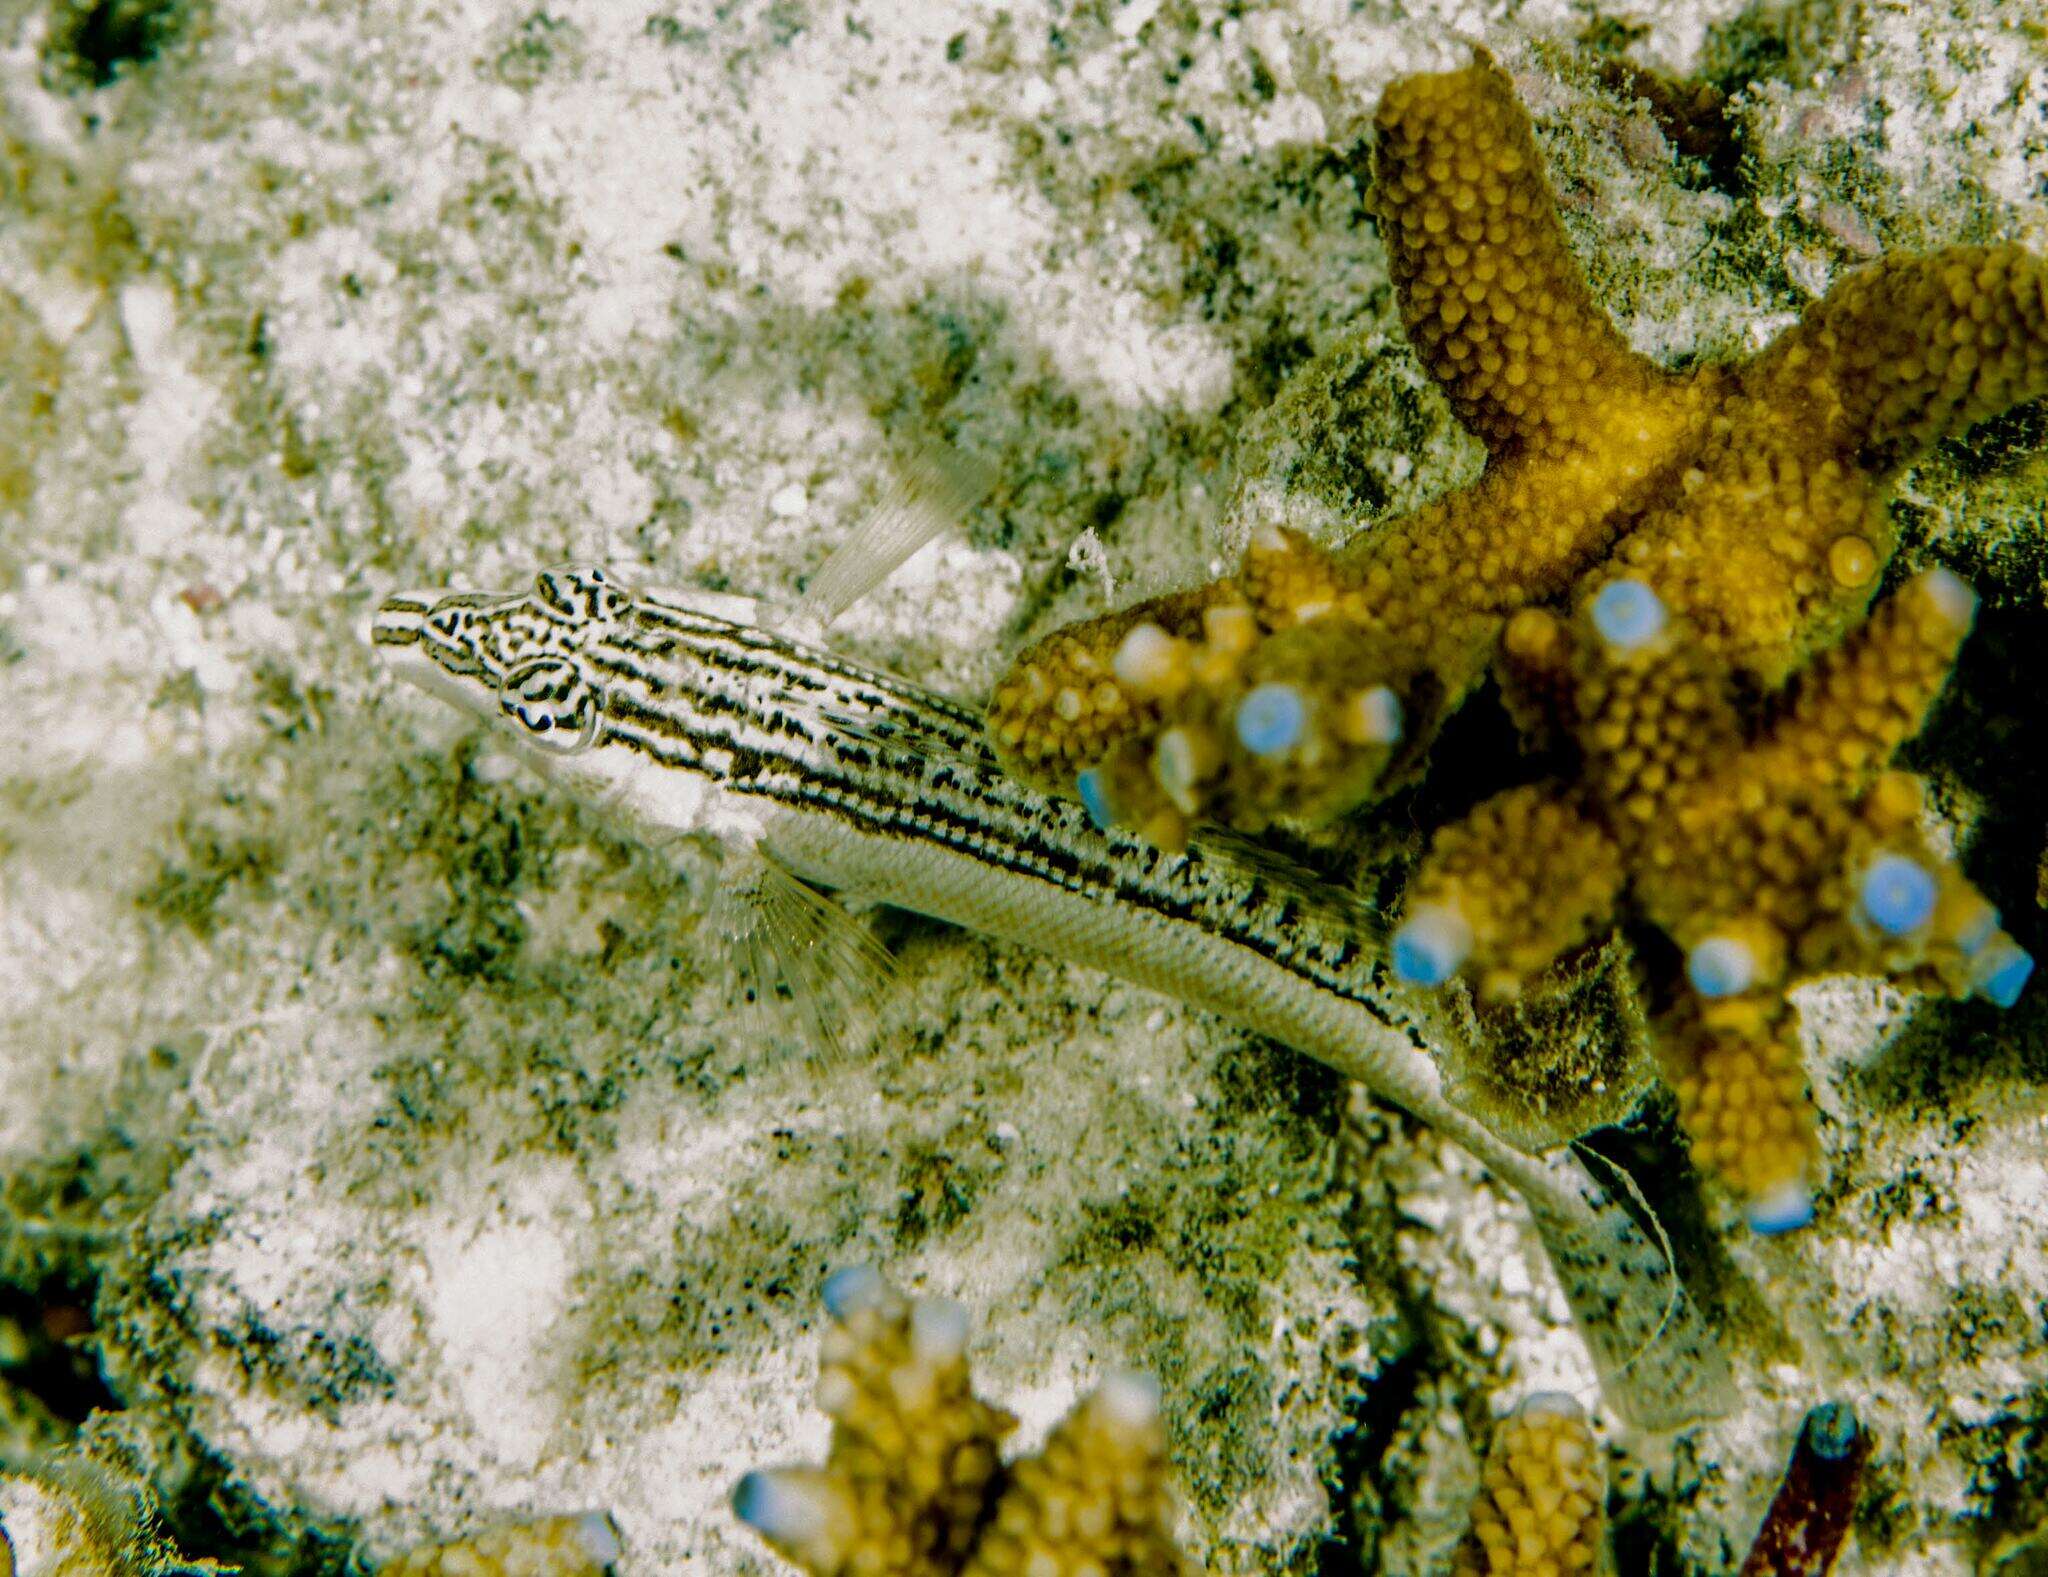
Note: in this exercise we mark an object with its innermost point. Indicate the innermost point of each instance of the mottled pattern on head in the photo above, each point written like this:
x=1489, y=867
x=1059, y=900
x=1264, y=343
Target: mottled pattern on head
x=515, y=654
x=645, y=689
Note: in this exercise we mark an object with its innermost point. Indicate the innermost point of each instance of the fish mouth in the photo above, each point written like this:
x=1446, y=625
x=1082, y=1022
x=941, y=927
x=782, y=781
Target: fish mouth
x=398, y=634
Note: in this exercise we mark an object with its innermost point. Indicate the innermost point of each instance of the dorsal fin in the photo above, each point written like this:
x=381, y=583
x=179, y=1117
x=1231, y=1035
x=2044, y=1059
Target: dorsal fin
x=903, y=730
x=935, y=490
x=783, y=930
x=1333, y=907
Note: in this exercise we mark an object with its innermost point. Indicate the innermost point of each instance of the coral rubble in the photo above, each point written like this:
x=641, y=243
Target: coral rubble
x=913, y=1485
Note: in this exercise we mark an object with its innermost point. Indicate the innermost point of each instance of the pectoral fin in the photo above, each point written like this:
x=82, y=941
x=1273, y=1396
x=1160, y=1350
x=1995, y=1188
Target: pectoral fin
x=785, y=933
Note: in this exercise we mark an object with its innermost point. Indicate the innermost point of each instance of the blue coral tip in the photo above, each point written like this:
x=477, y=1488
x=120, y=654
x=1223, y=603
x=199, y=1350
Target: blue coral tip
x=785, y=1506
x=1093, y=787
x=1628, y=615
x=1721, y=966
x=1786, y=1208
x=1431, y=946
x=849, y=1291
x=2002, y=972
x=1954, y=596
x=753, y=1500
x=1830, y=1430
x=1897, y=895
x=1271, y=719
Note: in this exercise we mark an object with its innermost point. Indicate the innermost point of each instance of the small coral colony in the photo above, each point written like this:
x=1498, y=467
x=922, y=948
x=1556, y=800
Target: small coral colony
x=913, y=1484
x=1671, y=572
x=1672, y=575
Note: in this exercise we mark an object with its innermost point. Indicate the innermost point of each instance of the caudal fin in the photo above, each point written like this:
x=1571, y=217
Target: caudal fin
x=1659, y=1361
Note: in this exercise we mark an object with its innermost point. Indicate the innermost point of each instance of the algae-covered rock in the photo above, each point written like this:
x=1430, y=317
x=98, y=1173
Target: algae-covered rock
x=433, y=1171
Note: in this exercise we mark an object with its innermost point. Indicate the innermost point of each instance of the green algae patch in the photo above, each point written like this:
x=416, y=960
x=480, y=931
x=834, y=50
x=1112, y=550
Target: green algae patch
x=1568, y=1055
x=28, y=394
x=97, y=41
x=207, y=863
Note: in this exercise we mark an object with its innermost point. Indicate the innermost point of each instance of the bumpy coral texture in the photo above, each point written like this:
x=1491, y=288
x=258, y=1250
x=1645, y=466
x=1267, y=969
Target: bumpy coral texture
x=914, y=1486
x=1541, y=1507
x=1751, y=495
x=1669, y=570
x=1378, y=641
x=1770, y=852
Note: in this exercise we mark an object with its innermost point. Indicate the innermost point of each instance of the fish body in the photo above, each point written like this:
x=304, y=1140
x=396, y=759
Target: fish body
x=683, y=711
x=677, y=708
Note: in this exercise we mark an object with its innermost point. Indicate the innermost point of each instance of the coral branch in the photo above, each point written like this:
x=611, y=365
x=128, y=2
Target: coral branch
x=1542, y=1504
x=1911, y=350
x=1767, y=859
x=1524, y=877
x=913, y=1485
x=1809, y=1516
x=1490, y=294
x=1656, y=561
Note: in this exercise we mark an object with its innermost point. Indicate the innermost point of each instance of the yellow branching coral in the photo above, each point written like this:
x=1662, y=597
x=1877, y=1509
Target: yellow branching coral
x=1671, y=570
x=1527, y=875
x=585, y=1545
x=913, y=1485
x=1750, y=496
x=1336, y=667
x=1542, y=1504
x=1769, y=853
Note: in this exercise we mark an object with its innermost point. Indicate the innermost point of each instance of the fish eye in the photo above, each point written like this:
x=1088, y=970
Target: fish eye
x=551, y=703
x=581, y=591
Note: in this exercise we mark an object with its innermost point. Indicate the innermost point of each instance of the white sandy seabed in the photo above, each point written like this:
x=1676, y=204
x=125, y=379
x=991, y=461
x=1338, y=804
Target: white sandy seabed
x=435, y=1170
